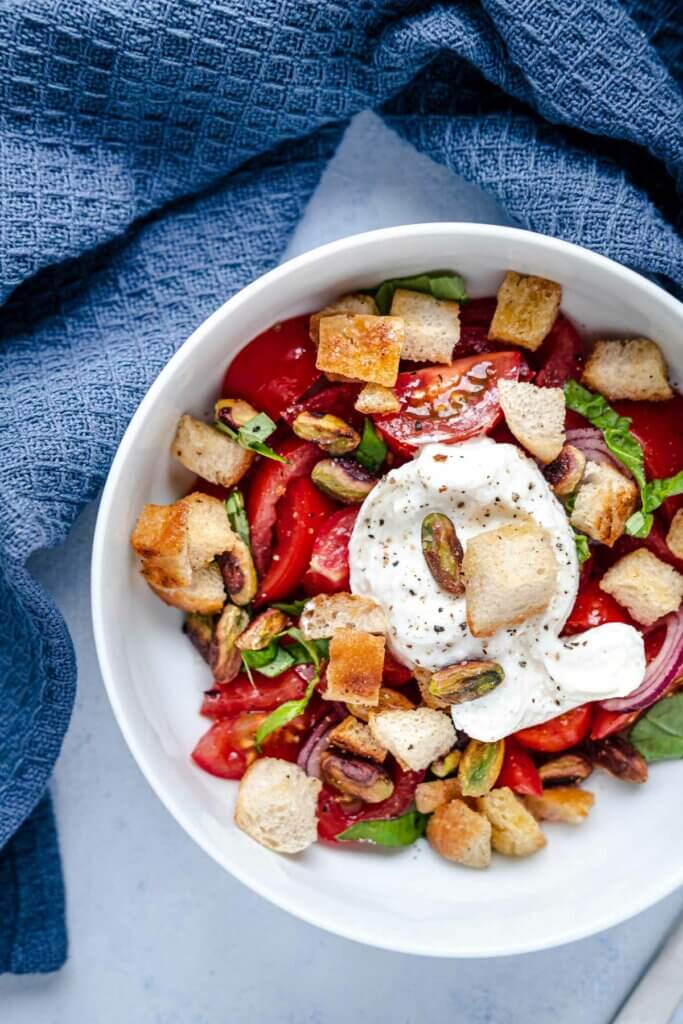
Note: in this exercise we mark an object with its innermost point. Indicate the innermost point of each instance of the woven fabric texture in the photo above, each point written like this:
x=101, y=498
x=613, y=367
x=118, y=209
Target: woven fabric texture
x=155, y=156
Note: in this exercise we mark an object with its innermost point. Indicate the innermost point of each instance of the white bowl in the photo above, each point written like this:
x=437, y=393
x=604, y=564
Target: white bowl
x=624, y=858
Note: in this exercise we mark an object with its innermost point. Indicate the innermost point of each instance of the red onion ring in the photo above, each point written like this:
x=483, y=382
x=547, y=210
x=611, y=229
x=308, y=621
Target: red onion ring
x=661, y=671
x=590, y=441
x=318, y=741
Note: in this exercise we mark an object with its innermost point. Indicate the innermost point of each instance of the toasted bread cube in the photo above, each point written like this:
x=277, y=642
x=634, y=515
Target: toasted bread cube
x=360, y=347
x=561, y=803
x=351, y=304
x=277, y=805
x=604, y=501
x=510, y=575
x=211, y=455
x=376, y=399
x=460, y=834
x=209, y=531
x=647, y=587
x=432, y=326
x=564, y=474
x=430, y=795
x=514, y=831
x=354, y=672
x=161, y=539
x=389, y=700
x=535, y=416
x=526, y=310
x=674, y=538
x=356, y=737
x=324, y=614
x=633, y=369
x=415, y=738
x=205, y=594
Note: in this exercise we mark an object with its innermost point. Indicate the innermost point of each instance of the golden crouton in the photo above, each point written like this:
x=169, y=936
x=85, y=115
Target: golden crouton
x=510, y=575
x=376, y=399
x=210, y=454
x=161, y=539
x=415, y=738
x=356, y=737
x=209, y=531
x=526, y=310
x=366, y=348
x=460, y=834
x=632, y=369
x=430, y=795
x=389, y=700
x=324, y=614
x=535, y=416
x=514, y=831
x=350, y=305
x=647, y=587
x=604, y=502
x=562, y=803
x=354, y=672
x=674, y=537
x=432, y=326
x=205, y=594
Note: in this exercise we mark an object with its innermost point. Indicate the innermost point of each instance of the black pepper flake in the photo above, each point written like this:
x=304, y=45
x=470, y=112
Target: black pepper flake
x=395, y=563
x=439, y=629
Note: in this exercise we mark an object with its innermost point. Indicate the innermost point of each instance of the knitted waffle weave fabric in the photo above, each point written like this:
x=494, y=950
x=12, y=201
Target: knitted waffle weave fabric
x=155, y=156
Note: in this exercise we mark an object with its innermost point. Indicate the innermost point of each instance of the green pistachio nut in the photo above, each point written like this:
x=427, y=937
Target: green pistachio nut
x=351, y=775
x=233, y=412
x=262, y=630
x=224, y=656
x=239, y=573
x=480, y=766
x=466, y=681
x=443, y=552
x=330, y=432
x=343, y=479
x=199, y=629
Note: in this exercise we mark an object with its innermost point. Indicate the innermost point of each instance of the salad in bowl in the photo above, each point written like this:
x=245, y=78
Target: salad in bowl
x=432, y=559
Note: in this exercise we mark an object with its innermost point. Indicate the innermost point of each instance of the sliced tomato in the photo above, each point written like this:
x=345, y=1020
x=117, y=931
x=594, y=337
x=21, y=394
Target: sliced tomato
x=300, y=514
x=607, y=723
x=394, y=673
x=228, y=699
x=229, y=746
x=559, y=733
x=593, y=607
x=274, y=369
x=328, y=572
x=519, y=772
x=268, y=485
x=448, y=403
x=335, y=814
x=335, y=400
x=657, y=425
x=560, y=356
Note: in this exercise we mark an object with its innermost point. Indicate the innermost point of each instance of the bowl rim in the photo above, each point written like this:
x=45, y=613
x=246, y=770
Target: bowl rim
x=460, y=229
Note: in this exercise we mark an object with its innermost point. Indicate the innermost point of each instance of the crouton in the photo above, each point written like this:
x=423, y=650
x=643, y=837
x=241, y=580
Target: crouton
x=356, y=737
x=604, y=501
x=389, y=700
x=366, y=348
x=633, y=369
x=209, y=530
x=324, y=614
x=432, y=326
x=210, y=454
x=277, y=804
x=562, y=803
x=415, y=738
x=460, y=835
x=514, y=831
x=647, y=587
x=351, y=304
x=535, y=416
x=376, y=399
x=161, y=539
x=526, y=310
x=354, y=672
x=674, y=538
x=204, y=594
x=510, y=575
x=564, y=474
x=430, y=795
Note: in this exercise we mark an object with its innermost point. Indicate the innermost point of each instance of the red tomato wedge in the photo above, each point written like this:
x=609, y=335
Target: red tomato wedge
x=394, y=673
x=228, y=699
x=560, y=356
x=657, y=425
x=593, y=607
x=519, y=772
x=334, y=815
x=328, y=572
x=268, y=485
x=300, y=514
x=229, y=746
x=559, y=733
x=607, y=723
x=274, y=369
x=448, y=403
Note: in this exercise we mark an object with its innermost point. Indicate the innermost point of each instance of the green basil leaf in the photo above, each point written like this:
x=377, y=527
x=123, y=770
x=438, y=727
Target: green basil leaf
x=372, y=451
x=315, y=649
x=389, y=831
x=260, y=659
x=441, y=284
x=258, y=428
x=658, y=735
x=279, y=664
x=252, y=435
x=264, y=450
x=583, y=551
x=237, y=516
x=639, y=524
x=223, y=428
x=294, y=608
x=284, y=714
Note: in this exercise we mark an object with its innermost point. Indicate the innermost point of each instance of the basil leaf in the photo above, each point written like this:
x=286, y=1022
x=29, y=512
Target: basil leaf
x=658, y=735
x=583, y=551
x=372, y=451
x=279, y=664
x=388, y=832
x=225, y=429
x=315, y=649
x=301, y=655
x=237, y=516
x=252, y=435
x=258, y=428
x=291, y=607
x=260, y=659
x=284, y=714
x=441, y=284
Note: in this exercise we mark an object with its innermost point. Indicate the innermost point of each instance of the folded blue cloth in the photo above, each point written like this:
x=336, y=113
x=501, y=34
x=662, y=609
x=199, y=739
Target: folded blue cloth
x=155, y=156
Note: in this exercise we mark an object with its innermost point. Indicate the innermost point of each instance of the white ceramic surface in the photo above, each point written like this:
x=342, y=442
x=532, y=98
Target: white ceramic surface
x=622, y=860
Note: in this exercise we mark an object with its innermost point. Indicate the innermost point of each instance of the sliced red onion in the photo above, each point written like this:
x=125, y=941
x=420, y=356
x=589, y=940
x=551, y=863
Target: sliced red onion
x=662, y=670
x=318, y=741
x=590, y=441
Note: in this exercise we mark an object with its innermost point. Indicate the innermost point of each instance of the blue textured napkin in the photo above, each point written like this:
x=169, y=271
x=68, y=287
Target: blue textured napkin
x=155, y=156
